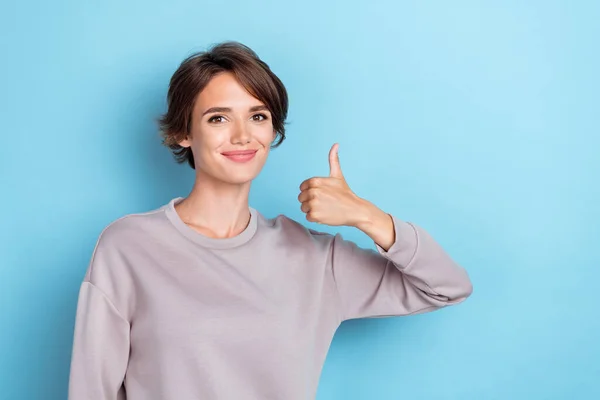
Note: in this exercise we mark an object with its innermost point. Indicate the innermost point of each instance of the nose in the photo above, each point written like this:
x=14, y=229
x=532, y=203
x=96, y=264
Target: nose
x=241, y=133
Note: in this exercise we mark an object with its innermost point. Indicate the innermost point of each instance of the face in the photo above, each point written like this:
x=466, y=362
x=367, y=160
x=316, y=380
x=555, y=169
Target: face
x=231, y=132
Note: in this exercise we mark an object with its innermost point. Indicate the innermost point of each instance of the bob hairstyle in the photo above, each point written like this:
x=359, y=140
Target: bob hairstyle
x=193, y=75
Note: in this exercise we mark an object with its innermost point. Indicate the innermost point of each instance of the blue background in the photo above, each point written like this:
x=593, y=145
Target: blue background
x=477, y=120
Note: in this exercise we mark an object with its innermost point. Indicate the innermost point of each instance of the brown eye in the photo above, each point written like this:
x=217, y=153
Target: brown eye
x=213, y=119
x=264, y=117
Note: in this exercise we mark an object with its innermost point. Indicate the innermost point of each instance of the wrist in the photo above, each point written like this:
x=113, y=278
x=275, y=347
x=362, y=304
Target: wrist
x=367, y=215
x=377, y=224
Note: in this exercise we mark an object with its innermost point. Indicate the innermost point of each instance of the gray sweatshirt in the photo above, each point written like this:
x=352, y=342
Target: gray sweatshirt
x=167, y=313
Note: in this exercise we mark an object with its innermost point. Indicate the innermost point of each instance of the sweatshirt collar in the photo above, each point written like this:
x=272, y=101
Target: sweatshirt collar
x=206, y=241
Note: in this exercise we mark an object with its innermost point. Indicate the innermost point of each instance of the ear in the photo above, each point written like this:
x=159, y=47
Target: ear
x=187, y=142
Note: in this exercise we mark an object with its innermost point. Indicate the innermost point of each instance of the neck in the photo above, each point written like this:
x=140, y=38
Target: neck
x=216, y=209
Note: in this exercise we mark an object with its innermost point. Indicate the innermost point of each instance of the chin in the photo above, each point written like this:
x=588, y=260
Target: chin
x=240, y=175
x=239, y=179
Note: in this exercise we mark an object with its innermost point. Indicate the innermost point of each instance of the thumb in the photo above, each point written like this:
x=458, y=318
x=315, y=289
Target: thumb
x=335, y=170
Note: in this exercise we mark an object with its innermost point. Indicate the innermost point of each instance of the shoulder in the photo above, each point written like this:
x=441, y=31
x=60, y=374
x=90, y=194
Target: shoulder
x=295, y=232
x=126, y=237
x=131, y=227
x=121, y=247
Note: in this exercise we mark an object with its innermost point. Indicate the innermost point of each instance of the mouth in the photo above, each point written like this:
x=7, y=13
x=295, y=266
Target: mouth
x=240, y=156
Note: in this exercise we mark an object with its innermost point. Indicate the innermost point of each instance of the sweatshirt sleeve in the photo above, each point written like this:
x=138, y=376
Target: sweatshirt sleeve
x=100, y=348
x=414, y=276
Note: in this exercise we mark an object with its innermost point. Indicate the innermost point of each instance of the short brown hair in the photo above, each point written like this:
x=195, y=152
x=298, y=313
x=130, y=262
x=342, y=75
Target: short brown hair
x=197, y=70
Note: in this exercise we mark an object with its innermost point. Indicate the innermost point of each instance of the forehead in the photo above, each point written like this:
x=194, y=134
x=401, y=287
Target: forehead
x=224, y=90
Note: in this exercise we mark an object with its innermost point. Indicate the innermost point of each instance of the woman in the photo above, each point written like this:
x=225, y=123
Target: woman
x=204, y=297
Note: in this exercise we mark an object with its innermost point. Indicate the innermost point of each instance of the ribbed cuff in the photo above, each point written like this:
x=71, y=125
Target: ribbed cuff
x=405, y=244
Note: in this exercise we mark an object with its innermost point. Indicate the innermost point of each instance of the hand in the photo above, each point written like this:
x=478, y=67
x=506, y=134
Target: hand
x=329, y=200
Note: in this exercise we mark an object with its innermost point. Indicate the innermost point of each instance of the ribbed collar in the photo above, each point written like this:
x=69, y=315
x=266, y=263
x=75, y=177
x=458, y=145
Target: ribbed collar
x=215, y=243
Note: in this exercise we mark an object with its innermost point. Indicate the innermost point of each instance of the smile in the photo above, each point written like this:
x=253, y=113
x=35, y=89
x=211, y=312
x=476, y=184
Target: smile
x=240, y=156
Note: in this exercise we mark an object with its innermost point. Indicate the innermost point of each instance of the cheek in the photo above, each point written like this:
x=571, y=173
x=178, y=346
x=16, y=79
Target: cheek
x=265, y=134
x=210, y=139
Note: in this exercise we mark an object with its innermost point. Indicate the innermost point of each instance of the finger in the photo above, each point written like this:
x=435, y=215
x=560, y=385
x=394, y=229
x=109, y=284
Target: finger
x=304, y=185
x=312, y=183
x=311, y=216
x=307, y=195
x=305, y=207
x=335, y=170
x=303, y=196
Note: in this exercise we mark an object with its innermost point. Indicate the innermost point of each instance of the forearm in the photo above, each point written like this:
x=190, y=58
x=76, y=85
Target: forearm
x=376, y=223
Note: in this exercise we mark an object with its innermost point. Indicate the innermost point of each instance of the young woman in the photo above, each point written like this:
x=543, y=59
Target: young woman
x=204, y=297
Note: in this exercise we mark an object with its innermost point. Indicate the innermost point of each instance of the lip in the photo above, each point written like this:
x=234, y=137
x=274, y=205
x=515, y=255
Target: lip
x=240, y=156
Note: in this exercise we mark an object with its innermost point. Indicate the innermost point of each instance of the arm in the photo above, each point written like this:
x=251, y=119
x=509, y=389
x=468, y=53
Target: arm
x=409, y=273
x=100, y=348
x=101, y=336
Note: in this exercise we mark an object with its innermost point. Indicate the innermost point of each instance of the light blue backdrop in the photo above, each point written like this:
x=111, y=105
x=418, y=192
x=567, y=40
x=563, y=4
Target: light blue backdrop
x=477, y=120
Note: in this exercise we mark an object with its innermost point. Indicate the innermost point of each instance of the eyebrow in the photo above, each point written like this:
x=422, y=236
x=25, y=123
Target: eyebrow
x=227, y=109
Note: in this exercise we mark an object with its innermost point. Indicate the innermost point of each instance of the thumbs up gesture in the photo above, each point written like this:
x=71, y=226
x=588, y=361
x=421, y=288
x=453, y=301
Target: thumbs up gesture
x=329, y=200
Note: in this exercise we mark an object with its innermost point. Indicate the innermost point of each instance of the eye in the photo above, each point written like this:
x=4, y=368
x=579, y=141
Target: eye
x=213, y=119
x=264, y=117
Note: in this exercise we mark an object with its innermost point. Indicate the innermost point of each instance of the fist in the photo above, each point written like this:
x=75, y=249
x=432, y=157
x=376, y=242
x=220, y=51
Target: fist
x=329, y=200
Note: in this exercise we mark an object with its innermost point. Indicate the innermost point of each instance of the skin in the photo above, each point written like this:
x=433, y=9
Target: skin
x=217, y=205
